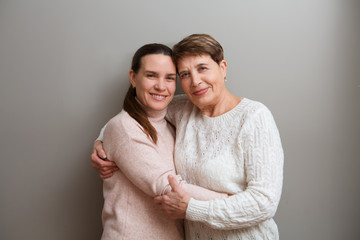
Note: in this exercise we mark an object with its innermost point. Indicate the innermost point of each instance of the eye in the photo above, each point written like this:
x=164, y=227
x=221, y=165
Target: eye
x=184, y=75
x=150, y=75
x=202, y=68
x=171, y=78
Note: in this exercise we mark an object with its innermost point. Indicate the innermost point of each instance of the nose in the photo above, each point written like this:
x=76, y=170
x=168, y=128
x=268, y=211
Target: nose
x=160, y=85
x=195, y=79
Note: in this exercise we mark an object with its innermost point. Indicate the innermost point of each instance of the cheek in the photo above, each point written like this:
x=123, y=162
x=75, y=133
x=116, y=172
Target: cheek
x=140, y=89
x=172, y=87
x=138, y=92
x=185, y=86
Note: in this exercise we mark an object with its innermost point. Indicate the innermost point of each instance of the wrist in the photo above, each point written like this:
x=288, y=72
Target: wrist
x=197, y=210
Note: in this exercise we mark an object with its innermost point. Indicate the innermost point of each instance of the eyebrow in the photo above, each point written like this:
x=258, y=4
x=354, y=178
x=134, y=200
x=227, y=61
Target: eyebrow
x=155, y=73
x=197, y=65
x=201, y=64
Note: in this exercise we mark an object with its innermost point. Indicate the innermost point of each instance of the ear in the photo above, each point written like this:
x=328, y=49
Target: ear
x=132, y=77
x=223, y=66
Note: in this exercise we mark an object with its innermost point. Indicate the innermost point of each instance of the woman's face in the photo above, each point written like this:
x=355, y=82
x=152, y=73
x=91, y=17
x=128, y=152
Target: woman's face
x=202, y=79
x=155, y=82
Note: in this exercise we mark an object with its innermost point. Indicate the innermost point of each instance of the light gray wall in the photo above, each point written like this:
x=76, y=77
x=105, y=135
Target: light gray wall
x=63, y=74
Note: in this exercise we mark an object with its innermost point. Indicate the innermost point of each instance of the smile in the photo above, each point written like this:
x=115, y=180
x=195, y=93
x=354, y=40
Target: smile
x=201, y=92
x=158, y=97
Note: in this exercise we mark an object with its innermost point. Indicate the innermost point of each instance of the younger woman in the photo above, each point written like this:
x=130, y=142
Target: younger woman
x=141, y=143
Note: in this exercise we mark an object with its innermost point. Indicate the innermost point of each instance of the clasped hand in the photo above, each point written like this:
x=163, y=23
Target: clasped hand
x=174, y=203
x=99, y=161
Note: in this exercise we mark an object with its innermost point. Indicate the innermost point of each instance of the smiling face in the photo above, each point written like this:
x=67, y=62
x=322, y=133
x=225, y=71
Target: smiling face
x=203, y=80
x=155, y=81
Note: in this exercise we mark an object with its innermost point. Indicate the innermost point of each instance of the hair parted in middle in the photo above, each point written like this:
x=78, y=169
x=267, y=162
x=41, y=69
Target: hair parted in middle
x=196, y=45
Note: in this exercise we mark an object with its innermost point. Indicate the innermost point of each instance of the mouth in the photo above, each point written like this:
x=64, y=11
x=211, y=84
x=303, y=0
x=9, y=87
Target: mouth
x=158, y=97
x=200, y=92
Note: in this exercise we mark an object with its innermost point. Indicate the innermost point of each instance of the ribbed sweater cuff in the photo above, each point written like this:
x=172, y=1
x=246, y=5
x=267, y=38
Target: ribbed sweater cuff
x=197, y=210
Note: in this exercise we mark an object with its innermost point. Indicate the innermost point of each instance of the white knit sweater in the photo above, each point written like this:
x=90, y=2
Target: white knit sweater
x=239, y=153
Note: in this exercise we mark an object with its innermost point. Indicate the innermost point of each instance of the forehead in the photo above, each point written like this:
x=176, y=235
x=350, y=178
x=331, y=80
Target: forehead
x=157, y=62
x=191, y=60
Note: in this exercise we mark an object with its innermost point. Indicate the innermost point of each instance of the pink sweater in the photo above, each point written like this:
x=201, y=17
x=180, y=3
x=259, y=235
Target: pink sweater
x=129, y=211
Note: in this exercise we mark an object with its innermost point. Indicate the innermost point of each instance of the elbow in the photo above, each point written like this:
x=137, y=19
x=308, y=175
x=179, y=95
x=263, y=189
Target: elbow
x=267, y=204
x=270, y=211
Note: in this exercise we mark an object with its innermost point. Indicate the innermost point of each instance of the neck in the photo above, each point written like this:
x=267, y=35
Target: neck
x=153, y=115
x=225, y=104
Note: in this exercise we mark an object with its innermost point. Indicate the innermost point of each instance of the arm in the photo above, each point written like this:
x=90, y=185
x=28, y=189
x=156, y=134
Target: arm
x=259, y=201
x=264, y=167
x=137, y=157
x=174, y=108
x=196, y=192
x=99, y=161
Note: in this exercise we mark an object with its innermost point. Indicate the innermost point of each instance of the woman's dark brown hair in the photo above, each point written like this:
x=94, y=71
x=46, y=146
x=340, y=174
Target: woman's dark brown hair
x=131, y=105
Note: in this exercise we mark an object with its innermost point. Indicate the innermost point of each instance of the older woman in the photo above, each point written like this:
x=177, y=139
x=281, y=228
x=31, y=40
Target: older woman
x=223, y=143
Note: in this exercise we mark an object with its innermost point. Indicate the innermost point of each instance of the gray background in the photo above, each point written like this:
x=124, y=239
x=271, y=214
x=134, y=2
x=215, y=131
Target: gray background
x=63, y=73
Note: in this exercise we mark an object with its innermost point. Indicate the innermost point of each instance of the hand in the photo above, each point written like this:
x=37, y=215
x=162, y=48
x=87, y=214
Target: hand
x=104, y=167
x=175, y=202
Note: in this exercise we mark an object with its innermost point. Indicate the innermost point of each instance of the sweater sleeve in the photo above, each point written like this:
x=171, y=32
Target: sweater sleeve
x=263, y=155
x=137, y=157
x=101, y=135
x=200, y=193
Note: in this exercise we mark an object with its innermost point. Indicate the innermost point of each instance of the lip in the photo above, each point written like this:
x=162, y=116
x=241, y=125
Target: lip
x=200, y=92
x=153, y=96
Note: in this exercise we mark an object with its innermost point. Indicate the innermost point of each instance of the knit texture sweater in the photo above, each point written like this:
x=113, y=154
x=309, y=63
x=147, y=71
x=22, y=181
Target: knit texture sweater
x=129, y=211
x=239, y=153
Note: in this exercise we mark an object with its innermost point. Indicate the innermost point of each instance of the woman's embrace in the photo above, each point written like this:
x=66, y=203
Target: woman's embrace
x=224, y=143
x=141, y=142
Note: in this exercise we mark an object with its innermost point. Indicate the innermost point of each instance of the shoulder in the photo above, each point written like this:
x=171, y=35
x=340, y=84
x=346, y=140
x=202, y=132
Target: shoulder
x=257, y=115
x=252, y=108
x=178, y=101
x=178, y=106
x=122, y=123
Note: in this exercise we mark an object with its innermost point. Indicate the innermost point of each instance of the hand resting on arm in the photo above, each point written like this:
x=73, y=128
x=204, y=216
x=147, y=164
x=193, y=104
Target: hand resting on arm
x=99, y=161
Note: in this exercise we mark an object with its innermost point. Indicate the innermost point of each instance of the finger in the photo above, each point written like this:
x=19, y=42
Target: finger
x=174, y=184
x=105, y=176
x=112, y=169
x=106, y=172
x=158, y=200
x=95, y=160
x=101, y=153
x=107, y=164
x=99, y=147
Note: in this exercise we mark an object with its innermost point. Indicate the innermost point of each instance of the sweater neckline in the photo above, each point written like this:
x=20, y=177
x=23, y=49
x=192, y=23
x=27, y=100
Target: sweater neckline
x=228, y=115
